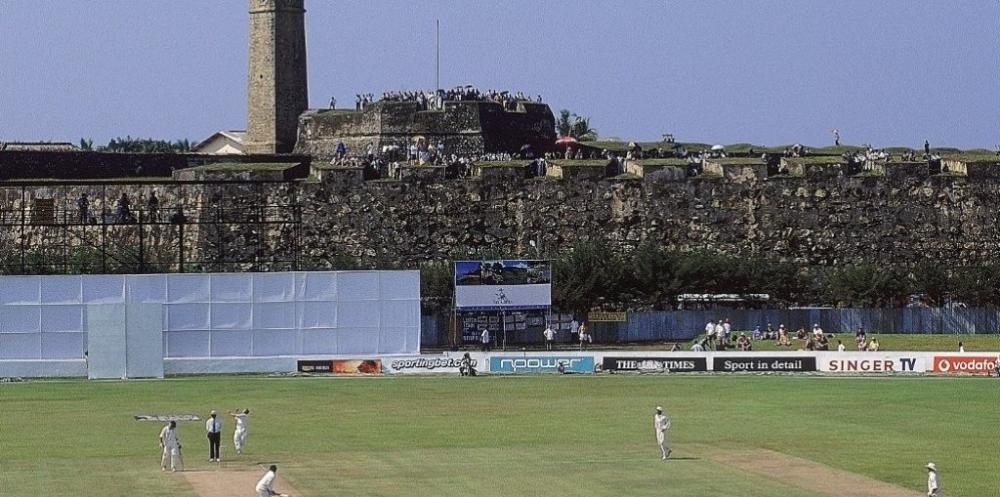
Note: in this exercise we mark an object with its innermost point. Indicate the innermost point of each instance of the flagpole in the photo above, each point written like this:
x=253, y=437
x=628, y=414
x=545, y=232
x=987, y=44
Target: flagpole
x=437, y=56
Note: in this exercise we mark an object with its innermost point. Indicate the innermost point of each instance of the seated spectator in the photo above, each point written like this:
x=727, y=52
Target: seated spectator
x=801, y=334
x=822, y=343
x=757, y=334
x=698, y=347
x=743, y=343
x=783, y=340
x=873, y=346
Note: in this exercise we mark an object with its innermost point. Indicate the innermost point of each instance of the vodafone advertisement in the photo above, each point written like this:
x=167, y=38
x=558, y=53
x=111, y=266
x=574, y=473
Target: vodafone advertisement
x=965, y=364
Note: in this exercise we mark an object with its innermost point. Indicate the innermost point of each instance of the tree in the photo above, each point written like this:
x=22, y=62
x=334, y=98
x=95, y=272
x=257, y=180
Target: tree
x=86, y=144
x=590, y=274
x=564, y=125
x=437, y=280
x=932, y=280
x=570, y=124
x=582, y=130
x=866, y=285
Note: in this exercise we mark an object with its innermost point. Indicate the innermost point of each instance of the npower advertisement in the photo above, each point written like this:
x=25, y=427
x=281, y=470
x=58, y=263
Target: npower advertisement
x=541, y=364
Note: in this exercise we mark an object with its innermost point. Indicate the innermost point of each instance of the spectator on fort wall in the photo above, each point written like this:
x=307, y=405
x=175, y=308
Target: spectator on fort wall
x=124, y=210
x=153, y=208
x=83, y=208
x=333, y=102
x=341, y=151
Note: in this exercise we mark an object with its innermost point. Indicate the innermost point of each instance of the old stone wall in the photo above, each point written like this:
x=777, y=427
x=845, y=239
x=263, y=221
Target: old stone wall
x=817, y=219
x=463, y=127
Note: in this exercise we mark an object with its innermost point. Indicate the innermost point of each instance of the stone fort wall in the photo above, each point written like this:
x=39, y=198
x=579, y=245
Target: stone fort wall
x=821, y=218
x=463, y=127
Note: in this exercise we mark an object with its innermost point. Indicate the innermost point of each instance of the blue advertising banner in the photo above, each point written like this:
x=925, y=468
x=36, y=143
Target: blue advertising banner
x=541, y=364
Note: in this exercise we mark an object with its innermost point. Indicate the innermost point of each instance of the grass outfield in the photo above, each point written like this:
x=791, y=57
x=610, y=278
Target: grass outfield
x=505, y=436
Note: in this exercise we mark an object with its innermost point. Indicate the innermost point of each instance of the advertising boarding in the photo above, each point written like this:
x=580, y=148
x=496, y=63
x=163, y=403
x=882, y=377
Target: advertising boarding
x=873, y=362
x=540, y=364
x=502, y=285
x=655, y=364
x=427, y=365
x=764, y=364
x=975, y=364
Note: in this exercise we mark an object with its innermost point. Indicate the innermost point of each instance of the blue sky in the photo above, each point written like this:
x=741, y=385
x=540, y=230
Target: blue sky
x=886, y=72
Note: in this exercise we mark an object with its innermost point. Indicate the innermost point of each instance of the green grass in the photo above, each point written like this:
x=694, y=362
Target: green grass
x=497, y=436
x=580, y=163
x=220, y=167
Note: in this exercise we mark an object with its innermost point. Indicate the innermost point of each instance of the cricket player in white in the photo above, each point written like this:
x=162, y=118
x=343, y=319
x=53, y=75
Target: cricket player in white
x=264, y=486
x=242, y=424
x=171, y=446
x=933, y=485
x=661, y=423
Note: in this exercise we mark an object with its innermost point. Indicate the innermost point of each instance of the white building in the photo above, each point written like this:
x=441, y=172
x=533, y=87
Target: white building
x=222, y=143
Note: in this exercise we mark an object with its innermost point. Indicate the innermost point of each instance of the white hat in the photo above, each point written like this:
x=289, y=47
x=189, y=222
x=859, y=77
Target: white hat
x=658, y=408
x=213, y=411
x=931, y=466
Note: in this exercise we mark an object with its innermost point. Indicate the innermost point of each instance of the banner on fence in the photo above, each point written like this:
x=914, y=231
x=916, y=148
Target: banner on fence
x=607, y=316
x=503, y=284
x=965, y=364
x=541, y=364
x=341, y=366
x=764, y=364
x=671, y=364
x=426, y=365
x=873, y=363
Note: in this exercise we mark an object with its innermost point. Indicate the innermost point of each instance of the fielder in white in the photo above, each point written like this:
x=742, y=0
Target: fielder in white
x=265, y=485
x=242, y=425
x=933, y=485
x=170, y=443
x=661, y=423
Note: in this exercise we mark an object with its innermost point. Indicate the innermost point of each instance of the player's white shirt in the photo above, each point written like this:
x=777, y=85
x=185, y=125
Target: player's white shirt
x=549, y=334
x=719, y=330
x=727, y=328
x=709, y=329
x=217, y=424
x=169, y=437
x=932, y=481
x=661, y=422
x=841, y=348
x=242, y=421
x=265, y=482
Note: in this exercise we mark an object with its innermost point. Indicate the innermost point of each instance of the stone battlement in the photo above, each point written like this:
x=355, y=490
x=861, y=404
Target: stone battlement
x=464, y=127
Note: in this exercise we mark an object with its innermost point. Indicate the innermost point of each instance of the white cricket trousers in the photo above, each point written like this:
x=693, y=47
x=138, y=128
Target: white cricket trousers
x=239, y=439
x=263, y=493
x=169, y=454
x=661, y=439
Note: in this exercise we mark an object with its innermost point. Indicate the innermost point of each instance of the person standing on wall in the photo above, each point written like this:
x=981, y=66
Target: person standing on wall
x=214, y=428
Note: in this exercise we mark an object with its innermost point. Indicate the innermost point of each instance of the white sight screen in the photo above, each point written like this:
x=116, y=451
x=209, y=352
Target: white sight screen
x=221, y=314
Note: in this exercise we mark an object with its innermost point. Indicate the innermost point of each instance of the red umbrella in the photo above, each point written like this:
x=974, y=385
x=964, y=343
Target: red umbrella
x=566, y=140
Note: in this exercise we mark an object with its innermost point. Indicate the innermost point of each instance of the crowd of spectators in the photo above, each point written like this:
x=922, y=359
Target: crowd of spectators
x=434, y=100
x=123, y=212
x=719, y=335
